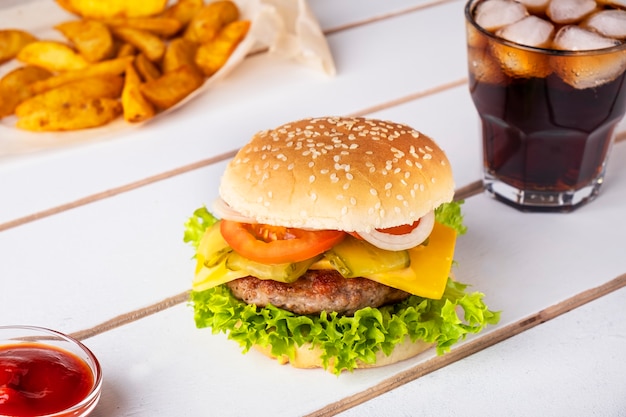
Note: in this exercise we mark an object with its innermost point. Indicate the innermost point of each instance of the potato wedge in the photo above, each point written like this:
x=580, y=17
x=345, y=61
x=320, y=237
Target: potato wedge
x=210, y=19
x=172, y=87
x=91, y=38
x=161, y=26
x=212, y=56
x=112, y=8
x=179, y=52
x=109, y=86
x=51, y=55
x=79, y=114
x=126, y=49
x=12, y=41
x=151, y=45
x=114, y=66
x=14, y=87
x=183, y=10
x=136, y=107
x=146, y=68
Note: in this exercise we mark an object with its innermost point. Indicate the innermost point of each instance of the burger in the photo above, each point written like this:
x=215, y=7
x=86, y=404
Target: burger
x=331, y=245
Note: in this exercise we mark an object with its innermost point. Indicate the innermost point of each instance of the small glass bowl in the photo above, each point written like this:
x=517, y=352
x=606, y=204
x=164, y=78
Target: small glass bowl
x=15, y=335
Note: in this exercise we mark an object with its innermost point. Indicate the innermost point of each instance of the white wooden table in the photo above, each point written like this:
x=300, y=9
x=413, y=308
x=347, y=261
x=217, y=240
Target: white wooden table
x=91, y=245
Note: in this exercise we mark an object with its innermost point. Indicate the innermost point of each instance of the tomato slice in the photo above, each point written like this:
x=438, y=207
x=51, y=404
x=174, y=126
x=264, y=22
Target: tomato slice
x=400, y=230
x=276, y=244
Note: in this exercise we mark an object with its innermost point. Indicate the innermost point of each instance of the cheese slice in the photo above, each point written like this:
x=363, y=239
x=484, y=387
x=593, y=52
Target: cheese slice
x=206, y=278
x=430, y=266
x=426, y=276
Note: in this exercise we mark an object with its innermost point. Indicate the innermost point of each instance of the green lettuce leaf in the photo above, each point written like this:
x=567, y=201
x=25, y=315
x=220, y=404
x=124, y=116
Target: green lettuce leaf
x=196, y=225
x=449, y=214
x=346, y=340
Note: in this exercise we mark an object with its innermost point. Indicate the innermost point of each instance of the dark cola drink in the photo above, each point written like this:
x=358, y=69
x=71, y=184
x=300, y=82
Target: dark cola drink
x=549, y=87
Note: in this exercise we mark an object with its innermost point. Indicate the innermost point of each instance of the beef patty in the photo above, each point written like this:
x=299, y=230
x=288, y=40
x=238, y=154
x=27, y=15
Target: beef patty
x=316, y=291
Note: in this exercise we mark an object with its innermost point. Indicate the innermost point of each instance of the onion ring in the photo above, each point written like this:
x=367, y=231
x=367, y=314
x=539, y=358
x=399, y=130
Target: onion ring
x=409, y=240
x=222, y=210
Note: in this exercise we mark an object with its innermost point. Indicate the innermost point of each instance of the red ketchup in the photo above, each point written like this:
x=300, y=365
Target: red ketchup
x=37, y=379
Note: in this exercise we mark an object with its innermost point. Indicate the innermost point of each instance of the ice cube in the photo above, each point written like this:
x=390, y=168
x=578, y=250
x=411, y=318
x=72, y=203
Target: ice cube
x=574, y=38
x=521, y=62
x=609, y=23
x=586, y=70
x=530, y=31
x=569, y=11
x=536, y=6
x=494, y=14
x=484, y=67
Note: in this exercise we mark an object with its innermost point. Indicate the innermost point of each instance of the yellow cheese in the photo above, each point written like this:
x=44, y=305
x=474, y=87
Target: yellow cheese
x=430, y=266
x=206, y=278
x=426, y=276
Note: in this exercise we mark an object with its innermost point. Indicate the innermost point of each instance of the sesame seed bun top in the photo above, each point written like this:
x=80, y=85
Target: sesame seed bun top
x=352, y=174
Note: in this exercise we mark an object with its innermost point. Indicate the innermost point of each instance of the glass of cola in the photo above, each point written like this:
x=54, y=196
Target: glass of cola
x=548, y=79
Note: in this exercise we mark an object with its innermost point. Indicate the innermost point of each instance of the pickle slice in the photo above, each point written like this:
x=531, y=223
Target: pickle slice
x=288, y=272
x=213, y=248
x=356, y=258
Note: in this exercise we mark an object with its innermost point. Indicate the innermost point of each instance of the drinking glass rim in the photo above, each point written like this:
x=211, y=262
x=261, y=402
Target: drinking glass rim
x=546, y=51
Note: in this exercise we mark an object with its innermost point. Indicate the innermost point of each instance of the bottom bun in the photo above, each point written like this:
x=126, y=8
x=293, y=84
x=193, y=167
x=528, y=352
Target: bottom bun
x=308, y=356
